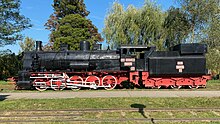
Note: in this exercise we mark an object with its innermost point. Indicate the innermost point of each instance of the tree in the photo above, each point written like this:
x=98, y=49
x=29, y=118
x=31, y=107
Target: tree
x=113, y=26
x=213, y=59
x=11, y=22
x=27, y=45
x=120, y=26
x=65, y=8
x=213, y=41
x=150, y=22
x=199, y=13
x=134, y=26
x=9, y=64
x=213, y=38
x=73, y=29
x=176, y=27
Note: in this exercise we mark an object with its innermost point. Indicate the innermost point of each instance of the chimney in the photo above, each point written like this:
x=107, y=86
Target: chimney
x=38, y=45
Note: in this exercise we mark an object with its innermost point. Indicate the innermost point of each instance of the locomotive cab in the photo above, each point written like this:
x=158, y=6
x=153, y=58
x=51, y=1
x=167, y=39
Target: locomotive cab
x=133, y=57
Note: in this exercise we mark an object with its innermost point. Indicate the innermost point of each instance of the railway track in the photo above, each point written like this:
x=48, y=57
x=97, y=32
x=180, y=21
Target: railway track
x=117, y=109
x=111, y=115
x=152, y=120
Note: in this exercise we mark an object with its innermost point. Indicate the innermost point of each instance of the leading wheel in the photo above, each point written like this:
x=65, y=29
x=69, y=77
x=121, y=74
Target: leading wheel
x=41, y=88
x=40, y=85
x=109, y=82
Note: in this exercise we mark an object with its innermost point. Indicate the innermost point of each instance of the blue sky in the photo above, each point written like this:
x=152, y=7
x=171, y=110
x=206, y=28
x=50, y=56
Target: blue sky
x=39, y=11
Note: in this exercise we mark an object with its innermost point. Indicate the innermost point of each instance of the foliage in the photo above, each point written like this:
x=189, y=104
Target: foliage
x=73, y=29
x=134, y=26
x=64, y=10
x=113, y=22
x=176, y=26
x=199, y=13
x=213, y=31
x=213, y=41
x=9, y=64
x=47, y=47
x=213, y=60
x=11, y=22
x=27, y=45
x=150, y=23
x=194, y=21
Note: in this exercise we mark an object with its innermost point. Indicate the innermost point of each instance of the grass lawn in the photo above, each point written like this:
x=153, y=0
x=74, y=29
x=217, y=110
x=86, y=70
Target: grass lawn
x=6, y=86
x=213, y=85
x=108, y=103
x=81, y=103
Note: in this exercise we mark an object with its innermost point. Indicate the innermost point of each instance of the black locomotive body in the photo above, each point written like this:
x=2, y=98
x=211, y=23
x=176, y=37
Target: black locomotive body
x=184, y=65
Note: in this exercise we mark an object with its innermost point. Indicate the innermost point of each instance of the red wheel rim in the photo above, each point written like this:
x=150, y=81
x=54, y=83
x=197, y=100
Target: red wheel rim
x=94, y=79
x=78, y=79
x=109, y=80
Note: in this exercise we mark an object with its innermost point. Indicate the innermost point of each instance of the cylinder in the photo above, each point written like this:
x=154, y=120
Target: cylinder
x=38, y=45
x=84, y=45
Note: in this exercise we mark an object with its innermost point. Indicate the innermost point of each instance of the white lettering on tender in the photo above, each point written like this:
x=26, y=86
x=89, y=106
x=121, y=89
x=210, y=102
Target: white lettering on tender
x=180, y=66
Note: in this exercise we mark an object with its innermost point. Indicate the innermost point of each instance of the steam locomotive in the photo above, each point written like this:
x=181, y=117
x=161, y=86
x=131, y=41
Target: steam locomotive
x=183, y=65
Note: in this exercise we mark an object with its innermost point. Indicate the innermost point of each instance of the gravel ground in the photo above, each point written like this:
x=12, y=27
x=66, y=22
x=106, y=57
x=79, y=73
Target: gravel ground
x=104, y=94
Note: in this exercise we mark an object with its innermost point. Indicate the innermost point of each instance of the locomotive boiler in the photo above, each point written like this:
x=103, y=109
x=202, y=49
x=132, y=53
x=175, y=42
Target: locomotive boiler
x=183, y=65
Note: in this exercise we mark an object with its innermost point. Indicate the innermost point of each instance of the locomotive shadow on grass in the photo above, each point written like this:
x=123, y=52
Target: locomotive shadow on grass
x=3, y=97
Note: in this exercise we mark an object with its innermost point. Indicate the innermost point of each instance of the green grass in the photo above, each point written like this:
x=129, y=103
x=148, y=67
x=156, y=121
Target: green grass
x=3, y=83
x=109, y=103
x=83, y=103
x=213, y=85
x=214, y=81
x=6, y=86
